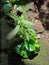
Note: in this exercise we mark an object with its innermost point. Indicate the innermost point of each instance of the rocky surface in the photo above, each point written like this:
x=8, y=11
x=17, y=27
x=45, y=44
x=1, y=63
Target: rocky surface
x=38, y=26
x=41, y=59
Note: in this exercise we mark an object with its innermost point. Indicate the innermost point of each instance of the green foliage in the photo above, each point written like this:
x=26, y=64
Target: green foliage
x=24, y=25
x=13, y=16
x=23, y=30
x=12, y=1
x=13, y=32
x=30, y=44
x=4, y=1
x=6, y=8
x=25, y=49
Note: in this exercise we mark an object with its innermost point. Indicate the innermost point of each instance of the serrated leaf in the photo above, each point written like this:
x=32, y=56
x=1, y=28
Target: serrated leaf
x=13, y=33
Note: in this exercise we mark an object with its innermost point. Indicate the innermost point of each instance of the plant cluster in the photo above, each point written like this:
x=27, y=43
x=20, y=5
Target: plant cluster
x=23, y=30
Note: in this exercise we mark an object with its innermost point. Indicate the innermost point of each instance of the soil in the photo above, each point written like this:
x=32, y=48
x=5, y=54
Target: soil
x=43, y=57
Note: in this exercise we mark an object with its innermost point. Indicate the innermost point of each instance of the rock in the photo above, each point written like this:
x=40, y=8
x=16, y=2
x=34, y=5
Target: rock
x=47, y=0
x=43, y=36
x=38, y=26
x=38, y=36
x=47, y=36
x=32, y=15
x=30, y=6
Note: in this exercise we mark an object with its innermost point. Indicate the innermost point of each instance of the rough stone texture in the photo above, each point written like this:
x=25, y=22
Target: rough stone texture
x=38, y=26
x=30, y=6
x=46, y=35
x=32, y=15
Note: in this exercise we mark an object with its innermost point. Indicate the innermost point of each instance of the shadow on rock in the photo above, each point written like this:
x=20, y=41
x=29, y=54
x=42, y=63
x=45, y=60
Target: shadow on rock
x=14, y=59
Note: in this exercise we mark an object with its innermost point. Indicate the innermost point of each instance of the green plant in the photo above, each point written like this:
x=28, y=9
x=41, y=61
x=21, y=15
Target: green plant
x=7, y=7
x=14, y=1
x=11, y=1
x=24, y=31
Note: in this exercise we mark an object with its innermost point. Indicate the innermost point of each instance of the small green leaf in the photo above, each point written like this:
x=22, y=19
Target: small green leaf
x=32, y=40
x=24, y=54
x=27, y=36
x=18, y=48
x=31, y=47
x=37, y=43
x=13, y=16
x=32, y=32
x=27, y=23
x=13, y=33
x=26, y=45
x=21, y=51
x=19, y=8
x=6, y=8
